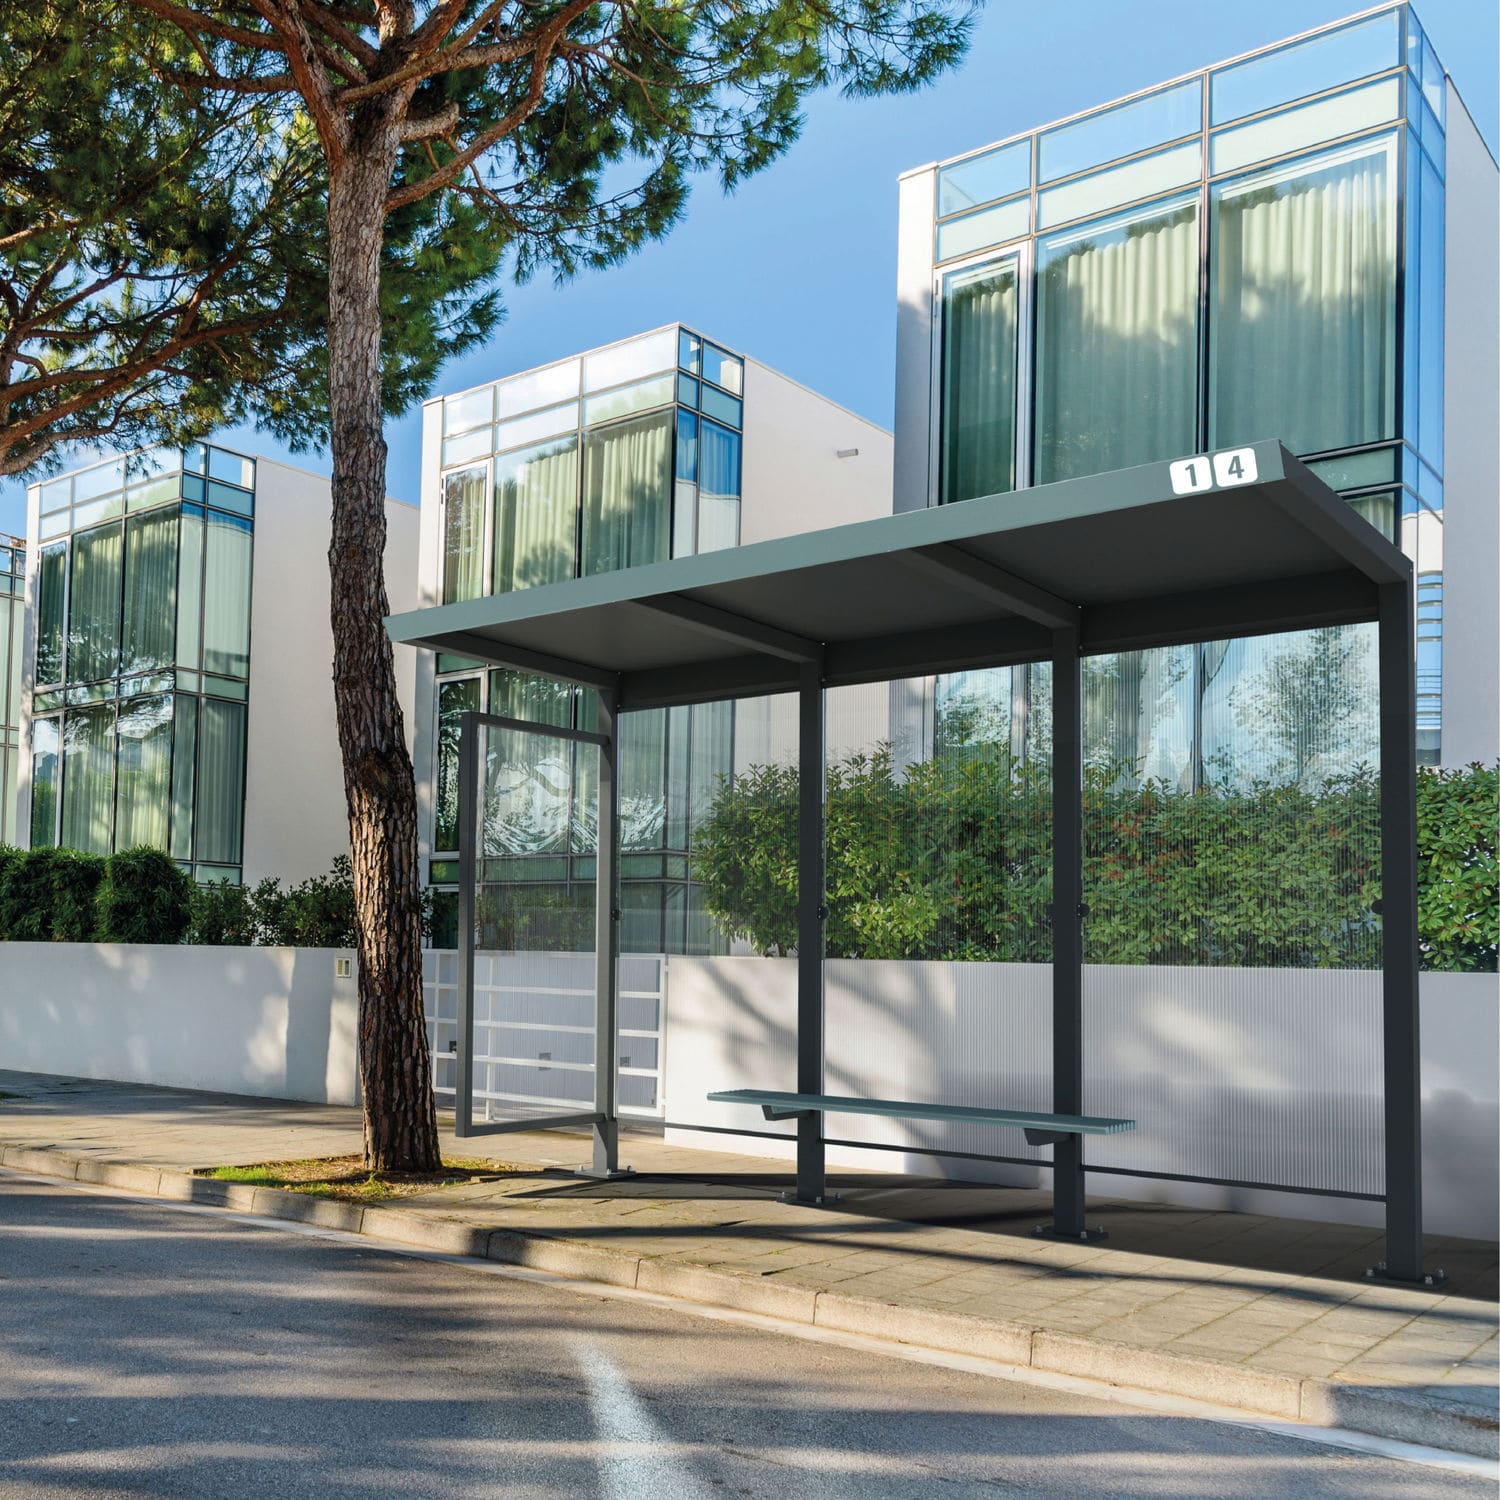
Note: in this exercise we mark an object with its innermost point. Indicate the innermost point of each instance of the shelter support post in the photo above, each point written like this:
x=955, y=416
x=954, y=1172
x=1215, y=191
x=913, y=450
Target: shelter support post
x=811, y=917
x=606, y=1158
x=1400, y=1008
x=1067, y=934
x=468, y=831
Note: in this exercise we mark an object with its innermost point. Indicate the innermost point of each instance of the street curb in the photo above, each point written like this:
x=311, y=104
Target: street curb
x=1391, y=1412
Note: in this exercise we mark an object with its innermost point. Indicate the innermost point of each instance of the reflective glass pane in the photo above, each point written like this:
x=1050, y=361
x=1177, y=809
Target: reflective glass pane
x=1433, y=82
x=528, y=793
x=537, y=388
x=52, y=576
x=184, y=769
x=979, y=382
x=687, y=445
x=552, y=422
x=721, y=407
x=103, y=479
x=226, y=598
x=627, y=493
x=470, y=445
x=724, y=368
x=94, y=605
x=687, y=390
x=1319, y=63
x=97, y=510
x=1293, y=709
x=1357, y=469
x=1379, y=511
x=143, y=795
x=990, y=226
x=1122, y=131
x=684, y=518
x=232, y=468
x=89, y=778
x=465, y=501
x=190, y=590
x=221, y=780
x=57, y=494
x=689, y=351
x=982, y=179
x=472, y=409
x=718, y=489
x=1117, y=343
x=1104, y=190
x=630, y=361
x=148, y=638
x=536, y=515
x=643, y=779
x=231, y=497
x=454, y=700
x=46, y=742
x=1302, y=284
x=633, y=398
x=154, y=492
x=1429, y=330
x=1312, y=124
x=1138, y=716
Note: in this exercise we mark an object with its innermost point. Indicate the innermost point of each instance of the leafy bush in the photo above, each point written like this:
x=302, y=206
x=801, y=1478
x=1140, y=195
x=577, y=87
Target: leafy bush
x=145, y=898
x=223, y=915
x=951, y=859
x=49, y=895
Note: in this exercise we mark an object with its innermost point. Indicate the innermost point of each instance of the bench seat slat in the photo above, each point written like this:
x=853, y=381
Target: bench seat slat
x=837, y=1104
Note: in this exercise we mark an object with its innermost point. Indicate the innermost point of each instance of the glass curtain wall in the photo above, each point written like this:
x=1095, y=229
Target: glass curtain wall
x=1225, y=260
x=143, y=657
x=627, y=455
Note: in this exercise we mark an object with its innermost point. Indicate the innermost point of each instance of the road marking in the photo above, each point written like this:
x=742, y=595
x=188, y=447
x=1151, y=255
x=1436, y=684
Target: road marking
x=637, y=1459
x=1138, y=1400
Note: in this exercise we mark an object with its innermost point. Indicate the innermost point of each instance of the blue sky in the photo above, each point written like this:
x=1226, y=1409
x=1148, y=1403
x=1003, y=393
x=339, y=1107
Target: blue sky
x=798, y=268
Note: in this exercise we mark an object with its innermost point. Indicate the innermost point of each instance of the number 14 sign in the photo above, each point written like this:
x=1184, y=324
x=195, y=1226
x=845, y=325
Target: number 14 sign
x=1208, y=471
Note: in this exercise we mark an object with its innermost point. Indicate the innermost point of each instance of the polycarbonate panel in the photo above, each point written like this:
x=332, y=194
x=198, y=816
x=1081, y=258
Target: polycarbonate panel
x=1231, y=1074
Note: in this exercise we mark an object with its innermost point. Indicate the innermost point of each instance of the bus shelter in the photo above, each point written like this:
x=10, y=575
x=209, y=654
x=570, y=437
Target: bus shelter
x=1218, y=546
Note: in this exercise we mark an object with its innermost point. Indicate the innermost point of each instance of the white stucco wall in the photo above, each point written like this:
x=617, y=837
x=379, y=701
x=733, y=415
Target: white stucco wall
x=295, y=818
x=1471, y=460
x=914, y=322
x=1247, y=1074
x=273, y=1022
x=792, y=479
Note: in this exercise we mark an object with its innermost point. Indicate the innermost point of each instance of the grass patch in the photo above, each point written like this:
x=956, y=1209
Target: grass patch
x=348, y=1179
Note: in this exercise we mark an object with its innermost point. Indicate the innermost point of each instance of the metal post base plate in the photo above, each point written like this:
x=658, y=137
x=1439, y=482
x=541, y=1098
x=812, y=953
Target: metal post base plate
x=604, y=1174
x=1080, y=1236
x=1432, y=1280
x=825, y=1200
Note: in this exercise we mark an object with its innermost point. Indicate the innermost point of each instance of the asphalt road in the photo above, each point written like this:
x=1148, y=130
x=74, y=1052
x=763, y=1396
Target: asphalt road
x=150, y=1350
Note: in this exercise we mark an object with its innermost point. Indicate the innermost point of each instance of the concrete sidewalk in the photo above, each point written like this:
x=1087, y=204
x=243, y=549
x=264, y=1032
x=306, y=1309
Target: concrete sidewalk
x=1270, y=1315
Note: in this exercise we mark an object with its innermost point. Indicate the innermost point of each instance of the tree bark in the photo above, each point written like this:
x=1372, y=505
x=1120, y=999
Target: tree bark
x=395, y=1067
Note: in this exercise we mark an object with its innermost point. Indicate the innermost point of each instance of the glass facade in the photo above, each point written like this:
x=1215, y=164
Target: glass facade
x=626, y=455
x=1252, y=252
x=12, y=623
x=143, y=657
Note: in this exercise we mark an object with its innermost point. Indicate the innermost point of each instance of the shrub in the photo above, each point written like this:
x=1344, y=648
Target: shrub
x=145, y=898
x=222, y=915
x=48, y=895
x=951, y=859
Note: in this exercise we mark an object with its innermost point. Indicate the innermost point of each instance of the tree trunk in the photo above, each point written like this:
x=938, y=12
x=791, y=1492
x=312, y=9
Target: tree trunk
x=395, y=1068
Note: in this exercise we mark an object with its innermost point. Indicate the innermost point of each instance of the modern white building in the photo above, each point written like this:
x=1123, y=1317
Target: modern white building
x=1296, y=244
x=176, y=683
x=658, y=446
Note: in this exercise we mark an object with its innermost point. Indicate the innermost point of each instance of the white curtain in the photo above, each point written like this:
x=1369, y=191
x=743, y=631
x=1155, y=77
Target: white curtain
x=1117, y=344
x=144, y=770
x=464, y=502
x=221, y=781
x=979, y=383
x=89, y=778
x=1304, y=304
x=150, y=591
x=536, y=514
x=226, y=597
x=627, y=493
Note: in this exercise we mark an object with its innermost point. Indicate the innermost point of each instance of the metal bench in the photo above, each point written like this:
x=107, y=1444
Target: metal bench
x=1042, y=1128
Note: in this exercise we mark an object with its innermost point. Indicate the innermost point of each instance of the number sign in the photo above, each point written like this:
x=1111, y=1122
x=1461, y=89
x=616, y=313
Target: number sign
x=1191, y=476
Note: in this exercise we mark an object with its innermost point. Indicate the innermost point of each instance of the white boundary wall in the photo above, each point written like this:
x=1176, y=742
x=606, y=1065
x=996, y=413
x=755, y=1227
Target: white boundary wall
x=274, y=1022
x=1256, y=1075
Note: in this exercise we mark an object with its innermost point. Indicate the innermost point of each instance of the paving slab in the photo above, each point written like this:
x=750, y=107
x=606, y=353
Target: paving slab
x=1272, y=1315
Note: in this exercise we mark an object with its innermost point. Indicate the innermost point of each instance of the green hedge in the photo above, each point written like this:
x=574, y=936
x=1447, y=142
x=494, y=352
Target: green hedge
x=950, y=859
x=140, y=896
